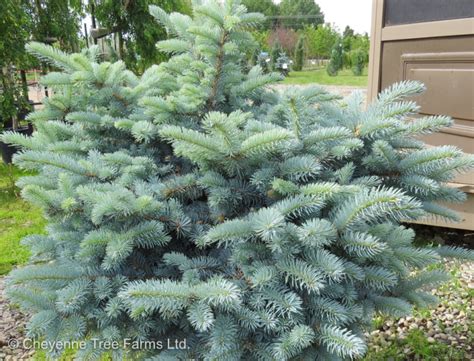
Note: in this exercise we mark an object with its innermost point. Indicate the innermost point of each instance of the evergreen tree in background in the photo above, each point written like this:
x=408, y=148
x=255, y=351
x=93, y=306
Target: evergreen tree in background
x=357, y=61
x=194, y=203
x=299, y=54
x=336, y=59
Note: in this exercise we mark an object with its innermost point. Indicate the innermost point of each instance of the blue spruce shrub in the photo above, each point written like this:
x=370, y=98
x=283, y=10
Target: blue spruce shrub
x=321, y=249
x=194, y=203
x=115, y=195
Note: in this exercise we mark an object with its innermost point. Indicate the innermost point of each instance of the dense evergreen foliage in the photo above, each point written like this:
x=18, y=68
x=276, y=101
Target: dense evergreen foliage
x=195, y=203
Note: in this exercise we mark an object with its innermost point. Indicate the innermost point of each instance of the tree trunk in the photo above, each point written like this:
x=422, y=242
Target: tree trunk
x=86, y=34
x=44, y=71
x=120, y=44
x=94, y=25
x=24, y=84
x=4, y=90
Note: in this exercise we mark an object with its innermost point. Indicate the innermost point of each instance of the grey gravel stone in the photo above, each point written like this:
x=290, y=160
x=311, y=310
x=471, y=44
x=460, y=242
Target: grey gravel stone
x=447, y=323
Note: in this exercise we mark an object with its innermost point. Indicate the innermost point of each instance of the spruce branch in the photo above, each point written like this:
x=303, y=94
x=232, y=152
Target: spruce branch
x=342, y=342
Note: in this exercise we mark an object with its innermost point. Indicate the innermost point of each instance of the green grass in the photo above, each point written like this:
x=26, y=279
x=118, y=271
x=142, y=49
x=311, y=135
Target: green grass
x=17, y=220
x=320, y=76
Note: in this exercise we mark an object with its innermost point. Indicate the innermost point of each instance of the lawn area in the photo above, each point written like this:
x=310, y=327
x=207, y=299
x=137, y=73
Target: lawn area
x=320, y=76
x=17, y=220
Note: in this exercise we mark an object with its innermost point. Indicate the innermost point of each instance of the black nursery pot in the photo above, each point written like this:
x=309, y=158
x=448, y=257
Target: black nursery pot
x=7, y=150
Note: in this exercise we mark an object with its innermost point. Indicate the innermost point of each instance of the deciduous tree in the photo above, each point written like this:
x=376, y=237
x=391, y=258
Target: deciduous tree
x=300, y=13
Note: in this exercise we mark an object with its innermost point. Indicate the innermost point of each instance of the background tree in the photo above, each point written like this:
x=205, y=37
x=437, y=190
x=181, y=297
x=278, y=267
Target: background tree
x=308, y=10
x=362, y=42
x=57, y=21
x=347, y=37
x=348, y=31
x=51, y=21
x=262, y=37
x=356, y=49
x=299, y=54
x=14, y=30
x=136, y=29
x=265, y=7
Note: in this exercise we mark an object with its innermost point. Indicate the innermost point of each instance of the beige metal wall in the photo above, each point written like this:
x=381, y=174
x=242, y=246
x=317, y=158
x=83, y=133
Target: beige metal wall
x=441, y=55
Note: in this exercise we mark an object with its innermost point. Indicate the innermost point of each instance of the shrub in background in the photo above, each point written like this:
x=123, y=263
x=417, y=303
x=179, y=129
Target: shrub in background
x=299, y=54
x=269, y=232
